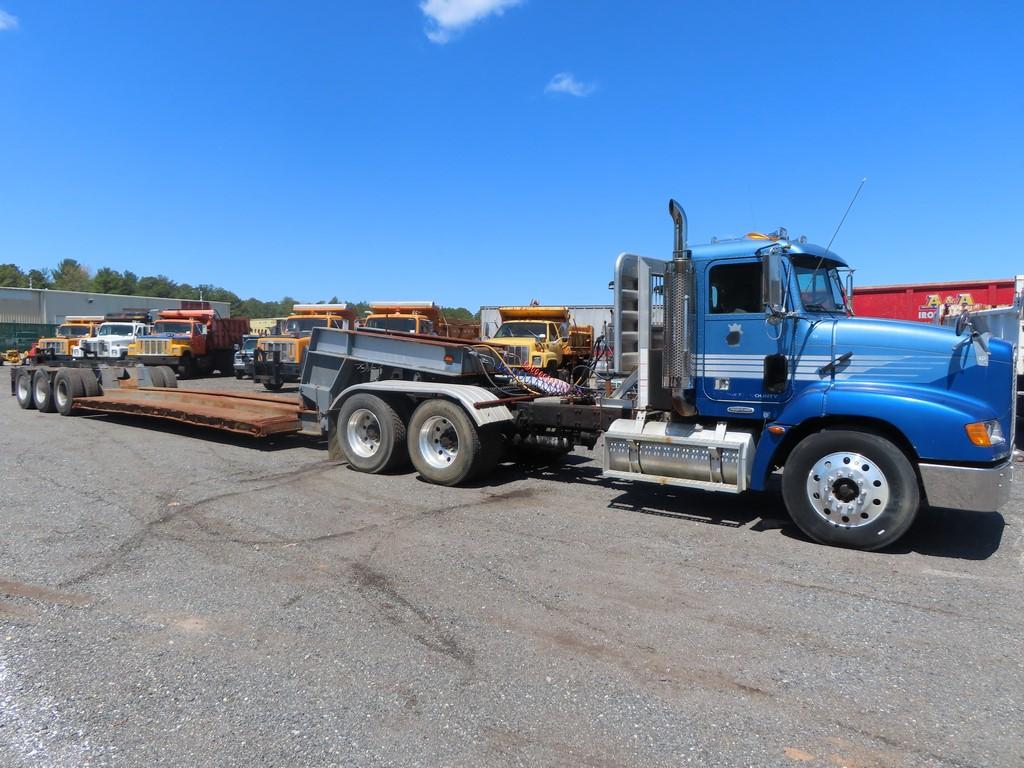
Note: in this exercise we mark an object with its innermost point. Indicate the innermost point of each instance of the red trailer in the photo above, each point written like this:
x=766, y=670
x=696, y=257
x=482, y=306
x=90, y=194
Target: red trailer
x=920, y=301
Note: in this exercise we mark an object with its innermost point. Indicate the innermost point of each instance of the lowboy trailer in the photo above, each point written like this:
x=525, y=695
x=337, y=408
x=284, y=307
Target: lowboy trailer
x=738, y=358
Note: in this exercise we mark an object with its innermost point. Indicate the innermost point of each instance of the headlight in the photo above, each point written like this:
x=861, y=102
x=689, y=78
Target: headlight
x=985, y=434
x=536, y=361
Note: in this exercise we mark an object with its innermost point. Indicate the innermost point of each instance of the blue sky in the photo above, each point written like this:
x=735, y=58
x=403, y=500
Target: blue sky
x=487, y=151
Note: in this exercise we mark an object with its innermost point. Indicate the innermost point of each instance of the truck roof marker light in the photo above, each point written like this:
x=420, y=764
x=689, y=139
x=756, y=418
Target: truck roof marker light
x=776, y=429
x=757, y=236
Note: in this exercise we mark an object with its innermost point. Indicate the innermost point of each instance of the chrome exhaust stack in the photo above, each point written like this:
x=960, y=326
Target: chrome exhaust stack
x=677, y=356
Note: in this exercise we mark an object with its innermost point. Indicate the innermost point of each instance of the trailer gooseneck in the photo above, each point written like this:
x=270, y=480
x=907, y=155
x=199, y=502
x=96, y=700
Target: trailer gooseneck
x=738, y=358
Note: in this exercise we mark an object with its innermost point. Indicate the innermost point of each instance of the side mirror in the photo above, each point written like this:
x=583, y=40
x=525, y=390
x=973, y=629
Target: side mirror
x=237, y=347
x=772, y=293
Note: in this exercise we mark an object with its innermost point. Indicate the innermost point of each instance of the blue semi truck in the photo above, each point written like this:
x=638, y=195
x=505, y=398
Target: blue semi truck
x=740, y=358
x=735, y=360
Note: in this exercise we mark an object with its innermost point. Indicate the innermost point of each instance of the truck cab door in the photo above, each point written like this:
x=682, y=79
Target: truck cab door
x=742, y=363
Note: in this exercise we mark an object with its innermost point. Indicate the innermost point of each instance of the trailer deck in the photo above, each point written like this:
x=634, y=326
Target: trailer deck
x=257, y=415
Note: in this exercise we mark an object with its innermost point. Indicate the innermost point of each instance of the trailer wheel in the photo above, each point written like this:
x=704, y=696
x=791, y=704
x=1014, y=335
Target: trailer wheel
x=42, y=392
x=163, y=376
x=90, y=382
x=850, y=489
x=370, y=434
x=67, y=385
x=444, y=443
x=23, y=390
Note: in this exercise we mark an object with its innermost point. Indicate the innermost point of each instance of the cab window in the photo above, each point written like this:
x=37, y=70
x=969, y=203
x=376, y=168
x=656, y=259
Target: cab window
x=735, y=288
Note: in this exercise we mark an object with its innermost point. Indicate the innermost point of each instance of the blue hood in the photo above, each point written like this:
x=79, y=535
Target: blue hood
x=922, y=361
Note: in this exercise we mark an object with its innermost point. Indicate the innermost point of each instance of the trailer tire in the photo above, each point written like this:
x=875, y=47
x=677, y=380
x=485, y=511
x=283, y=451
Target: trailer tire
x=848, y=488
x=23, y=390
x=163, y=376
x=370, y=434
x=42, y=392
x=68, y=384
x=444, y=444
x=90, y=383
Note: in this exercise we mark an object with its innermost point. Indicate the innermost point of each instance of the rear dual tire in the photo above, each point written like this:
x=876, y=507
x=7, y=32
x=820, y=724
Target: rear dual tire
x=446, y=447
x=23, y=390
x=42, y=392
x=68, y=384
x=370, y=434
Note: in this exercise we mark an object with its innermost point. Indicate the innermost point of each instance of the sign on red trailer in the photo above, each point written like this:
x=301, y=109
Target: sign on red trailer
x=920, y=301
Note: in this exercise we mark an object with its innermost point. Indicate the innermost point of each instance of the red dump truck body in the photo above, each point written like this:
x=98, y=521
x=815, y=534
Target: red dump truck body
x=920, y=301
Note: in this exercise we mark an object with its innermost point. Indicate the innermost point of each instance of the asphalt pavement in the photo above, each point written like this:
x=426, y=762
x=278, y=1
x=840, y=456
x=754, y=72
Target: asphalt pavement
x=176, y=597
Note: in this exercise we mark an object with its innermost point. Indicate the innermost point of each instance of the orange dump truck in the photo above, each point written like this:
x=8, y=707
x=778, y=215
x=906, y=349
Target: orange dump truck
x=278, y=359
x=191, y=341
x=416, y=317
x=542, y=337
x=69, y=334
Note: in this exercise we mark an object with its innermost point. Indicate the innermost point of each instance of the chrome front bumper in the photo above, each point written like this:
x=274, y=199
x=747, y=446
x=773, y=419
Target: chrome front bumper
x=968, y=488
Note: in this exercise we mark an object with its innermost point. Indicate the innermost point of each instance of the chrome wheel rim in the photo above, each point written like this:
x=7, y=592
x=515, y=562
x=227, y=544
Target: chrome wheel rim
x=24, y=388
x=40, y=387
x=362, y=433
x=60, y=393
x=438, y=442
x=847, y=490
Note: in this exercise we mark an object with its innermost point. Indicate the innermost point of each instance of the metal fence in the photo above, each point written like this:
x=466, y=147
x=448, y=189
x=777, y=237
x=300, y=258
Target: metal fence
x=21, y=336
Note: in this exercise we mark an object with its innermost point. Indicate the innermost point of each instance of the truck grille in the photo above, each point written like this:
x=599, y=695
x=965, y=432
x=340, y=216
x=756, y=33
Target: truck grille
x=516, y=355
x=57, y=346
x=286, y=348
x=154, y=347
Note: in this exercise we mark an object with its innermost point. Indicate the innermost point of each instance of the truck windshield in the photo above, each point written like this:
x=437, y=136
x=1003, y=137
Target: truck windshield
x=403, y=324
x=821, y=289
x=115, y=330
x=73, y=331
x=171, y=328
x=307, y=324
x=512, y=330
x=249, y=345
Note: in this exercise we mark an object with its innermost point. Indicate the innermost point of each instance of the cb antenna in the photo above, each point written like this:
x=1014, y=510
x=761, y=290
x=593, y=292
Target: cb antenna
x=842, y=221
x=847, y=213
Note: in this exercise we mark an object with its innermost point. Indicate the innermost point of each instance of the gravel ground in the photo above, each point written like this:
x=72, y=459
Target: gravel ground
x=174, y=597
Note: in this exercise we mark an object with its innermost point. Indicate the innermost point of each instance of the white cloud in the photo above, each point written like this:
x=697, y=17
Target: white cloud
x=7, y=21
x=566, y=82
x=446, y=18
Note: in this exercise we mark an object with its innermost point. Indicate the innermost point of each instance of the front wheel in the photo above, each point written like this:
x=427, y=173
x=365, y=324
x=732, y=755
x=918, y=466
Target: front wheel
x=850, y=489
x=272, y=385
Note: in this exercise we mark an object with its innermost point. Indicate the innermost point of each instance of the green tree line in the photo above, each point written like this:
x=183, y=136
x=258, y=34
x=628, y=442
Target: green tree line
x=70, y=275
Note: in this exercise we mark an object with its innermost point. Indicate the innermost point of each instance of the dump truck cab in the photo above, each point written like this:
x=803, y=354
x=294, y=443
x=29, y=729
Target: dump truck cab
x=112, y=338
x=423, y=317
x=242, y=362
x=277, y=359
x=69, y=334
x=190, y=341
x=541, y=337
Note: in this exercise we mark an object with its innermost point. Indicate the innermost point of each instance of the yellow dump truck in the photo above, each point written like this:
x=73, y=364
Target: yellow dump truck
x=542, y=338
x=416, y=317
x=278, y=359
x=404, y=317
x=69, y=334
